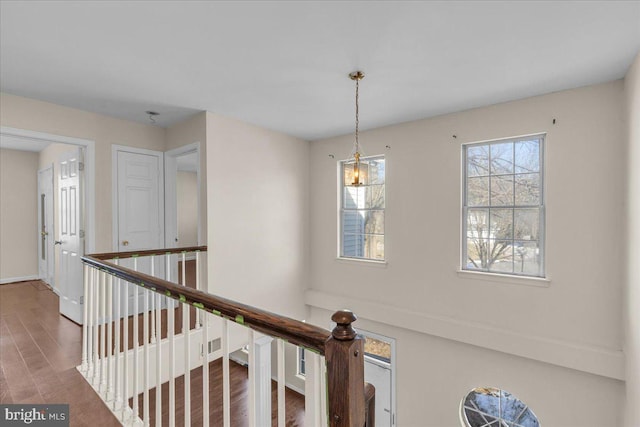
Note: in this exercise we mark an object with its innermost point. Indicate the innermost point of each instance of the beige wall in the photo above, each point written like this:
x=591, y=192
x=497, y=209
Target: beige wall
x=632, y=296
x=29, y=114
x=573, y=322
x=187, y=193
x=18, y=215
x=257, y=213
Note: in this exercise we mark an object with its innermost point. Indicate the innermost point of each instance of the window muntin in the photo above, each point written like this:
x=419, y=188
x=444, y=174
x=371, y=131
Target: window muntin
x=302, y=368
x=362, y=210
x=503, y=209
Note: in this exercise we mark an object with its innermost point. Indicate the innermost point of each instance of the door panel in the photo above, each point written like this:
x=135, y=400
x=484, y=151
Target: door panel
x=71, y=235
x=139, y=212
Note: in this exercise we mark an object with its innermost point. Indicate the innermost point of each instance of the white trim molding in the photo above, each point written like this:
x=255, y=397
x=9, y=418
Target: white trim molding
x=18, y=279
x=592, y=359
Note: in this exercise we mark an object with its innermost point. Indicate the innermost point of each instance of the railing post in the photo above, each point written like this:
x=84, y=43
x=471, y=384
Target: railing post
x=345, y=370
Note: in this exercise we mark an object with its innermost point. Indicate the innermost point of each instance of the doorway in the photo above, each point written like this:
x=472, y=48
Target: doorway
x=379, y=370
x=182, y=192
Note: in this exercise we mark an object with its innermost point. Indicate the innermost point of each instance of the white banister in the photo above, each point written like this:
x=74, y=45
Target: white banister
x=125, y=353
x=205, y=369
x=88, y=326
x=312, y=390
x=103, y=332
x=145, y=336
x=118, y=367
x=158, y=322
x=152, y=302
x=85, y=318
x=200, y=314
x=281, y=384
x=186, y=311
x=172, y=353
x=96, y=326
x=260, y=371
x=226, y=389
x=252, y=379
x=109, y=319
x=136, y=344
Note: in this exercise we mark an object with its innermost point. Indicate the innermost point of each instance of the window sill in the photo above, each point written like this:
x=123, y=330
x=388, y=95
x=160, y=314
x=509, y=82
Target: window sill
x=300, y=377
x=367, y=262
x=540, y=282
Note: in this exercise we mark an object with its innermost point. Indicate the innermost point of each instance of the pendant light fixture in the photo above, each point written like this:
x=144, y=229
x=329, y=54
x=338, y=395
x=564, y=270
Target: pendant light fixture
x=356, y=76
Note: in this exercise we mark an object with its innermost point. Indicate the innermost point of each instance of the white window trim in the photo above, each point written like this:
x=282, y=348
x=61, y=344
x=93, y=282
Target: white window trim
x=363, y=261
x=299, y=373
x=513, y=278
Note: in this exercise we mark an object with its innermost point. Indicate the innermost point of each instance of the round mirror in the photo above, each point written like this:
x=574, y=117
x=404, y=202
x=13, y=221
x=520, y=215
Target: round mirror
x=493, y=407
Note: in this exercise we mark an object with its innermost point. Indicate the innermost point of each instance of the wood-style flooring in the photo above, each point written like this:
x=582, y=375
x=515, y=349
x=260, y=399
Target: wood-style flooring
x=40, y=349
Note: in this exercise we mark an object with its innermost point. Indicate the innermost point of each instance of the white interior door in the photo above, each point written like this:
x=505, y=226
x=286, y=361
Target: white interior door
x=71, y=241
x=378, y=373
x=140, y=206
x=46, y=267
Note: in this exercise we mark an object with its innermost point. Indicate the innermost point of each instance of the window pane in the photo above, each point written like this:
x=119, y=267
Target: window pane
x=376, y=171
x=478, y=160
x=528, y=189
x=354, y=198
x=478, y=223
x=502, y=190
x=374, y=222
x=526, y=224
x=374, y=247
x=501, y=256
x=501, y=224
x=353, y=245
x=375, y=196
x=347, y=173
x=502, y=158
x=528, y=156
x=478, y=191
x=527, y=258
x=353, y=221
x=477, y=254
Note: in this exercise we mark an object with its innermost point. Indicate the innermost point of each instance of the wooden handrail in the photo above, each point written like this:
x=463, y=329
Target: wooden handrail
x=294, y=331
x=351, y=402
x=150, y=252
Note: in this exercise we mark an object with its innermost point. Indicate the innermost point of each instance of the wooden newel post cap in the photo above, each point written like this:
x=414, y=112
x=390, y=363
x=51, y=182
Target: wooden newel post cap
x=343, y=330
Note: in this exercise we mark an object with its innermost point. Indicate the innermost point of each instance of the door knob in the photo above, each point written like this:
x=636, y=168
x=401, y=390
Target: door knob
x=57, y=242
x=125, y=243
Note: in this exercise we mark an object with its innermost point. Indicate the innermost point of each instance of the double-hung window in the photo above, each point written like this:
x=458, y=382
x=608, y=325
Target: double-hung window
x=503, y=209
x=362, y=210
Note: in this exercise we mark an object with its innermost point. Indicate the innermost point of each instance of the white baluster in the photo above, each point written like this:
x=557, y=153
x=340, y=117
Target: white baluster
x=109, y=318
x=85, y=318
x=252, y=380
x=145, y=318
x=117, y=366
x=125, y=354
x=136, y=344
x=158, y=322
x=200, y=314
x=323, y=391
x=205, y=368
x=312, y=400
x=226, y=388
x=96, y=328
x=281, y=384
x=172, y=352
x=186, y=311
x=89, y=324
x=152, y=302
x=103, y=333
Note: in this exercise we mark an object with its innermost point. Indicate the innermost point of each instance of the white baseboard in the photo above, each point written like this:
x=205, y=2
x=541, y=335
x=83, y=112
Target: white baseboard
x=17, y=279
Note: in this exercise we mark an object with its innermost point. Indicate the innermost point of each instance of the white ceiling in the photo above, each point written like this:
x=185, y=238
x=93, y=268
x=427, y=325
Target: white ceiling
x=284, y=65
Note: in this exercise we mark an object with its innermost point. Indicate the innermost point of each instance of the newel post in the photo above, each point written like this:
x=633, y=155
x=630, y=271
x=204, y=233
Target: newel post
x=344, y=354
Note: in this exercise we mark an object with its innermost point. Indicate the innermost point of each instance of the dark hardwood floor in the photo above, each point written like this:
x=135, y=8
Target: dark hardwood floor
x=39, y=350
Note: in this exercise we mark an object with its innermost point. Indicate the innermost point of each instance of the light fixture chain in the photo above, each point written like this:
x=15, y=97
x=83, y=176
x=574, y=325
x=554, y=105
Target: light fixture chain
x=357, y=114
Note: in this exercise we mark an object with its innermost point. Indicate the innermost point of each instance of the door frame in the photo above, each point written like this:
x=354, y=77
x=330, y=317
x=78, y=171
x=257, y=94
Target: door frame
x=89, y=174
x=392, y=367
x=171, y=192
x=115, y=149
x=49, y=219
